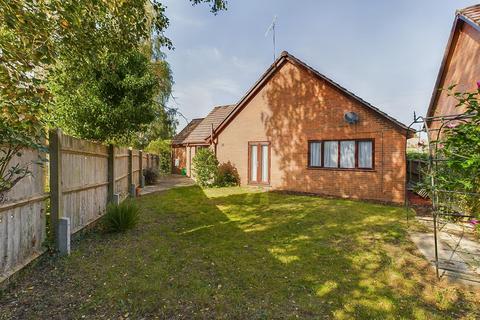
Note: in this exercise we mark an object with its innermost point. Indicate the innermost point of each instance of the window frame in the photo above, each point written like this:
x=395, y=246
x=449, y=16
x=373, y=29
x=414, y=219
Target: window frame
x=310, y=150
x=322, y=148
x=259, y=145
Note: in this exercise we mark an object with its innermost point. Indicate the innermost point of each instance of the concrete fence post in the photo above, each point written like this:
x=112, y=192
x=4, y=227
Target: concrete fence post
x=64, y=236
x=56, y=195
x=116, y=198
x=111, y=173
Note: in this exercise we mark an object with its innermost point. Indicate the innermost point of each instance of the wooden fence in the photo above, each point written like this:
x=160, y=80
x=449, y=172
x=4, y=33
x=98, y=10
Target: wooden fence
x=416, y=171
x=23, y=218
x=84, y=176
x=121, y=171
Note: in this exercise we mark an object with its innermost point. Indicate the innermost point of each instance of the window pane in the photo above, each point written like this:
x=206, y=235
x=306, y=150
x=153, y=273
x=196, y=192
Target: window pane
x=330, y=156
x=253, y=164
x=365, y=156
x=347, y=154
x=264, y=163
x=315, y=154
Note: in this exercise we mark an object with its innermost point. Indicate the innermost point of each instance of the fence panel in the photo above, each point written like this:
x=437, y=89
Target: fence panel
x=84, y=181
x=121, y=171
x=416, y=171
x=144, y=160
x=135, y=167
x=82, y=176
x=22, y=218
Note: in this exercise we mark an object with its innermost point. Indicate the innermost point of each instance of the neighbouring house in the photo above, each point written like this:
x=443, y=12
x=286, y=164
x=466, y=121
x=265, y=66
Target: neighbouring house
x=179, y=150
x=298, y=130
x=460, y=65
x=197, y=134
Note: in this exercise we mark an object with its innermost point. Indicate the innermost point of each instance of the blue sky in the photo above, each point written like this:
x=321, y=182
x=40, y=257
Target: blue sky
x=387, y=52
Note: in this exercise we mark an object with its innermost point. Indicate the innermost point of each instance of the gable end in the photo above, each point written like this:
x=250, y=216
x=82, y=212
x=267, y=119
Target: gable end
x=276, y=66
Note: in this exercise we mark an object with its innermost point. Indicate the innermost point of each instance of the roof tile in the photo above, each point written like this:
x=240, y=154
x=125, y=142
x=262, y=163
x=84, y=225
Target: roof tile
x=472, y=13
x=182, y=135
x=203, y=130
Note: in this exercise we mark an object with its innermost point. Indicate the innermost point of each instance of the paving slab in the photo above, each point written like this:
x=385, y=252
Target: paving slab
x=166, y=182
x=458, y=255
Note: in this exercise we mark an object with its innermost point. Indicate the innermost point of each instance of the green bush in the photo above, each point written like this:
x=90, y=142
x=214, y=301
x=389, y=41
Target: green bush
x=205, y=167
x=416, y=155
x=163, y=149
x=151, y=176
x=227, y=175
x=121, y=217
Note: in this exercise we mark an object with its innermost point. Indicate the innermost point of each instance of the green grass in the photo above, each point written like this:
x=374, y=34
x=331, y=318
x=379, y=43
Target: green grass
x=236, y=253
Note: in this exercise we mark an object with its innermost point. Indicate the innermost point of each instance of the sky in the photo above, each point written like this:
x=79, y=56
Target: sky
x=387, y=52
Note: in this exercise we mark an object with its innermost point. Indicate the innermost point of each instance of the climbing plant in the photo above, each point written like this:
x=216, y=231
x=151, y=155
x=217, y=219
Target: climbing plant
x=459, y=151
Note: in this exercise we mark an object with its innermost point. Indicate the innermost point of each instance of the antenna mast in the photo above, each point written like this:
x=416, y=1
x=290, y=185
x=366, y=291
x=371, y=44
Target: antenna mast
x=272, y=29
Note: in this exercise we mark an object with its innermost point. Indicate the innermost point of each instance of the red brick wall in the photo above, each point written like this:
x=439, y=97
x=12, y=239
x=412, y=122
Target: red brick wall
x=294, y=107
x=180, y=154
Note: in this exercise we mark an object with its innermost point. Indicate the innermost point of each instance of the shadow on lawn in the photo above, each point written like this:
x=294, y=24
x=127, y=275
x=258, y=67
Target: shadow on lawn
x=280, y=256
x=244, y=255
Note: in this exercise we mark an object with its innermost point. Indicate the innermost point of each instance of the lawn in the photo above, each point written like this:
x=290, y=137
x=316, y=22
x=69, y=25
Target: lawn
x=234, y=253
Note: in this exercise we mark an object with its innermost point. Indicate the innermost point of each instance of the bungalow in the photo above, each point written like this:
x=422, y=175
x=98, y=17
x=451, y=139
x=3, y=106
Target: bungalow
x=460, y=65
x=179, y=149
x=298, y=130
x=197, y=134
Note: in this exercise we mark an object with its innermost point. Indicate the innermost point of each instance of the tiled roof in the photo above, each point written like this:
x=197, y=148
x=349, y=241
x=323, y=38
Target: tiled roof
x=204, y=129
x=182, y=135
x=472, y=13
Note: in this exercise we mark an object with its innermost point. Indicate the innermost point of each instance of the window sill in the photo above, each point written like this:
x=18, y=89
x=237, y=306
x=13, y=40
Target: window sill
x=342, y=169
x=258, y=184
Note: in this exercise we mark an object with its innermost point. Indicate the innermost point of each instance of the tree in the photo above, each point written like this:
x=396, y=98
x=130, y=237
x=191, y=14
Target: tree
x=163, y=149
x=82, y=106
x=25, y=54
x=38, y=38
x=215, y=5
x=164, y=124
x=113, y=101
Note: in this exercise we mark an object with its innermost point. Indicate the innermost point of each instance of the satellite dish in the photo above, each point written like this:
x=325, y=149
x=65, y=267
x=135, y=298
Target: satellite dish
x=351, y=117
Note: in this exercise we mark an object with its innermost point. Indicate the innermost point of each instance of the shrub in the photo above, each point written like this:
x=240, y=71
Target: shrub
x=163, y=149
x=205, y=167
x=227, y=175
x=416, y=155
x=151, y=176
x=459, y=171
x=121, y=217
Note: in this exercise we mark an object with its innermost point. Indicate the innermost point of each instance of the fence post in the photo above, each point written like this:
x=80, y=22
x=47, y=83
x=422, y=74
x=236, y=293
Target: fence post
x=111, y=172
x=56, y=196
x=131, y=189
x=64, y=236
x=140, y=165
